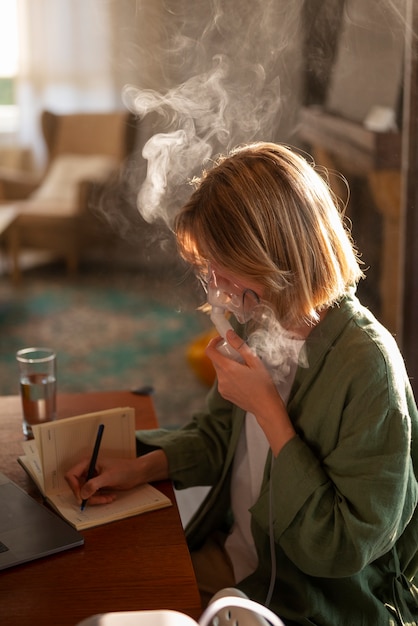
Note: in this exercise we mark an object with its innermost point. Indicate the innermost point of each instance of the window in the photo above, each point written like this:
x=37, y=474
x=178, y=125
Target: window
x=8, y=66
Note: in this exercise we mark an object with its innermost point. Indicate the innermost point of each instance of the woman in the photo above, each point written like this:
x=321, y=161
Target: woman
x=310, y=438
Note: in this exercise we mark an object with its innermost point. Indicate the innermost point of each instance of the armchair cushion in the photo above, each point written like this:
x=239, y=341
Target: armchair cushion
x=61, y=186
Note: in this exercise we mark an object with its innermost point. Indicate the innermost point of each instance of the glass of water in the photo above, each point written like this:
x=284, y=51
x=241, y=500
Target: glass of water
x=38, y=386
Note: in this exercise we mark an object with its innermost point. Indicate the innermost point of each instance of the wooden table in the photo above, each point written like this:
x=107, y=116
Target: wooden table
x=140, y=563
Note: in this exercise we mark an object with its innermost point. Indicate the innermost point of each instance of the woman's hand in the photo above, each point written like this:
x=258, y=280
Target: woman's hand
x=250, y=386
x=115, y=474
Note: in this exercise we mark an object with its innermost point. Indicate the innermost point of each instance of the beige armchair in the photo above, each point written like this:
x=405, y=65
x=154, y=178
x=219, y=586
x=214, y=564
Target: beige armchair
x=54, y=213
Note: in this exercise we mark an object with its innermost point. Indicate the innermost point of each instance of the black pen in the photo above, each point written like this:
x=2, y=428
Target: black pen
x=92, y=466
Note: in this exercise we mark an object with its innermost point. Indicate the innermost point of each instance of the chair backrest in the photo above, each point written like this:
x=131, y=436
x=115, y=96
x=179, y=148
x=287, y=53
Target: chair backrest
x=111, y=134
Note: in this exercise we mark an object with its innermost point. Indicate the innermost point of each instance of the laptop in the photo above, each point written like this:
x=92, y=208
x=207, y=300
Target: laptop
x=28, y=530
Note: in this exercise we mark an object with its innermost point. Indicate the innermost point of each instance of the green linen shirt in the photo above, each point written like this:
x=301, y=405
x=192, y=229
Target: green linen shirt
x=344, y=492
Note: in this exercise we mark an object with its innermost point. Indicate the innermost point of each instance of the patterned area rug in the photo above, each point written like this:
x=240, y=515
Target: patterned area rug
x=111, y=330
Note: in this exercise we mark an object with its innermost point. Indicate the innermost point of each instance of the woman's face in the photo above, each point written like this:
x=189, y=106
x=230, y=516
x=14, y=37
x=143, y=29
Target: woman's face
x=230, y=291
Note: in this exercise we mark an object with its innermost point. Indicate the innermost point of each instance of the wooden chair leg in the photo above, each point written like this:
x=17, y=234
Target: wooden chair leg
x=72, y=263
x=386, y=186
x=13, y=249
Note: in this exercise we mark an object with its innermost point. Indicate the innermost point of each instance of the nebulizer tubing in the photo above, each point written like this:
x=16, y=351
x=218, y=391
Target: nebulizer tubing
x=243, y=308
x=272, y=545
x=223, y=325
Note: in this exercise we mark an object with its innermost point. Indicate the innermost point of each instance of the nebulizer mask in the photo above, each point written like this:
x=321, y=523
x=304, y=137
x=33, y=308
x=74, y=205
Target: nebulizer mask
x=226, y=296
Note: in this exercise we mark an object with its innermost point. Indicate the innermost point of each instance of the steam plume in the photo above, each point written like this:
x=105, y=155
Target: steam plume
x=279, y=349
x=225, y=62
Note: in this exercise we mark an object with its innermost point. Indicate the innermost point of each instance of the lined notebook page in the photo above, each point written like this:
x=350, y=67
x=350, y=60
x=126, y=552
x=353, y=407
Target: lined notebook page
x=63, y=443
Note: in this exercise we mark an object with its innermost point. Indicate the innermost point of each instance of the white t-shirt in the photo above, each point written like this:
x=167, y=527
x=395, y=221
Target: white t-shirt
x=247, y=476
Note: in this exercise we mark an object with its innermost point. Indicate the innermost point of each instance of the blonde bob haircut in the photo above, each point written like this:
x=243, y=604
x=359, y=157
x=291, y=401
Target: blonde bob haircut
x=264, y=213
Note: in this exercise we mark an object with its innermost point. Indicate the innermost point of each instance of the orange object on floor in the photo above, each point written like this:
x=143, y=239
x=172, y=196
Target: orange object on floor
x=199, y=362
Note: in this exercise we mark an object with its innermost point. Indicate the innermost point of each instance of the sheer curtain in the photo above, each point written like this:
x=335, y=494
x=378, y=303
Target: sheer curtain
x=66, y=62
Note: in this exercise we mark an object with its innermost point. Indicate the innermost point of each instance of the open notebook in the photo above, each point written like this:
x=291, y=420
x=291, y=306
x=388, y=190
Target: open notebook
x=58, y=445
x=28, y=530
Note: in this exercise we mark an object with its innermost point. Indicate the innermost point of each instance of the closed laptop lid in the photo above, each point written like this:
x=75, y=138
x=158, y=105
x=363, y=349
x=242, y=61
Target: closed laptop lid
x=28, y=530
